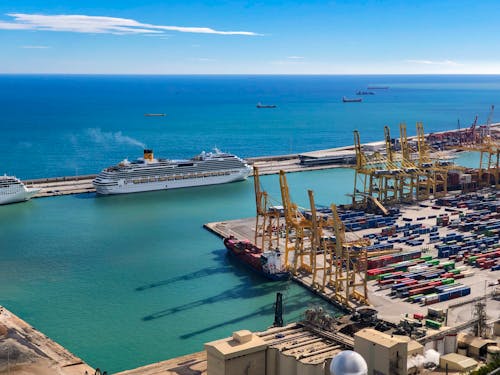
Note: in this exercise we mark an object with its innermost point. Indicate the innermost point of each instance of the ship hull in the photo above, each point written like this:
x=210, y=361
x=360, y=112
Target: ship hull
x=251, y=259
x=126, y=187
x=20, y=196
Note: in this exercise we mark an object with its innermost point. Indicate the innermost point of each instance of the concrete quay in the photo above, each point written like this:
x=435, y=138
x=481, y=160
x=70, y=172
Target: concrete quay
x=25, y=350
x=62, y=185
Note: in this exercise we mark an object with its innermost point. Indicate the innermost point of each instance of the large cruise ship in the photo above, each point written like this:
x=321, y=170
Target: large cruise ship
x=12, y=190
x=148, y=173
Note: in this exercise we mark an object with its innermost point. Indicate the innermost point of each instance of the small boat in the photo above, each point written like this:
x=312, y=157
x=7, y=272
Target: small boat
x=360, y=92
x=378, y=87
x=260, y=105
x=265, y=263
x=351, y=100
x=155, y=114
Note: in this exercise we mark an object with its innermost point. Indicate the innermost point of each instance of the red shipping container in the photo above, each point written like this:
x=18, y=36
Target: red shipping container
x=418, y=316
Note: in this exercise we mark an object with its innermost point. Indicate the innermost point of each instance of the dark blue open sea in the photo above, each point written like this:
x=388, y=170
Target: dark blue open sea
x=124, y=281
x=65, y=125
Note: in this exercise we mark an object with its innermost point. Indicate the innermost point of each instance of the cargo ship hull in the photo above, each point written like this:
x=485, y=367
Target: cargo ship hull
x=266, y=264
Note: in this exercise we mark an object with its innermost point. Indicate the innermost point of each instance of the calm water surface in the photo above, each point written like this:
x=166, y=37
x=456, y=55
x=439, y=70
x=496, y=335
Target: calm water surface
x=126, y=280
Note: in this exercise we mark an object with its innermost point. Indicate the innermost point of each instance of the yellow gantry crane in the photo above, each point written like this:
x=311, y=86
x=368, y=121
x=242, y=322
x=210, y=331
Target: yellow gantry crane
x=321, y=254
x=375, y=180
x=297, y=254
x=350, y=262
x=438, y=169
x=489, y=155
x=338, y=265
x=267, y=223
x=422, y=181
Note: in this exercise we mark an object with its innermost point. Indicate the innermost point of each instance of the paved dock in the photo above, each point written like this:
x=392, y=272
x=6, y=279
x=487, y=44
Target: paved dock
x=391, y=309
x=25, y=350
x=191, y=364
x=62, y=185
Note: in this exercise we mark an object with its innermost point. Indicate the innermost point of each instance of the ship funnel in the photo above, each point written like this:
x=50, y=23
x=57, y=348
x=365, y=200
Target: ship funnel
x=148, y=155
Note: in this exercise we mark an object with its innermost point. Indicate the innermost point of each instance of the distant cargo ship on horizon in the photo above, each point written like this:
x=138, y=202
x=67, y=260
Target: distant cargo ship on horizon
x=351, y=100
x=361, y=92
x=260, y=105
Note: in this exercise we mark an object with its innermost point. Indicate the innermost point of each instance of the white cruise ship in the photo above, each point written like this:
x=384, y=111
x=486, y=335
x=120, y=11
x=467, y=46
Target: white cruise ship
x=12, y=190
x=148, y=173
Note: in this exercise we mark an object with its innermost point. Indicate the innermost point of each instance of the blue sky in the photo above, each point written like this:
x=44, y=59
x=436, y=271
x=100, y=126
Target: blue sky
x=249, y=37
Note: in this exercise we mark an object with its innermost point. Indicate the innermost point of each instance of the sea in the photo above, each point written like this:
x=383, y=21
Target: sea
x=124, y=281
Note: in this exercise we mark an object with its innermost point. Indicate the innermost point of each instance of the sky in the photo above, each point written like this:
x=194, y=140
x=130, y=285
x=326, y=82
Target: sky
x=249, y=37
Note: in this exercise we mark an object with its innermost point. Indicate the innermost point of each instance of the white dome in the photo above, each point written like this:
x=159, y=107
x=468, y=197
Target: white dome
x=348, y=363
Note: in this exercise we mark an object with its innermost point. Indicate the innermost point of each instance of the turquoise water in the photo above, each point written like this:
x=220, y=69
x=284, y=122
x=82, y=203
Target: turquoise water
x=123, y=281
x=468, y=159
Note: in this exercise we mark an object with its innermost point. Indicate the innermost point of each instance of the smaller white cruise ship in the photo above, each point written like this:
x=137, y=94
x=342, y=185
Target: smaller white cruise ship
x=12, y=190
x=148, y=173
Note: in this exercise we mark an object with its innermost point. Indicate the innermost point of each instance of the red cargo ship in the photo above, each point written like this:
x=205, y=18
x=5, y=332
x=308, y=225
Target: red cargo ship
x=267, y=263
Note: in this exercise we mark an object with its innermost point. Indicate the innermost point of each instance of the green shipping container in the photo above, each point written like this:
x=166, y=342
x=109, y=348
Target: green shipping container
x=432, y=324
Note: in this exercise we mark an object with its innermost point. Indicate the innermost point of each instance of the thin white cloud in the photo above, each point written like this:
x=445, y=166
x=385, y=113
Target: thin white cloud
x=35, y=47
x=295, y=57
x=434, y=62
x=100, y=25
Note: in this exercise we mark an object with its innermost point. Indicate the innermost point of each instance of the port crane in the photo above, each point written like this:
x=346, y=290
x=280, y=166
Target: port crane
x=350, y=264
x=339, y=265
x=322, y=257
x=297, y=228
x=438, y=169
x=423, y=180
x=377, y=180
x=267, y=223
x=489, y=157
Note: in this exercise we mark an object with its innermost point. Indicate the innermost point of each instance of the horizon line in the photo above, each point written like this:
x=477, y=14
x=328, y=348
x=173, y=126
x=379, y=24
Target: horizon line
x=252, y=74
